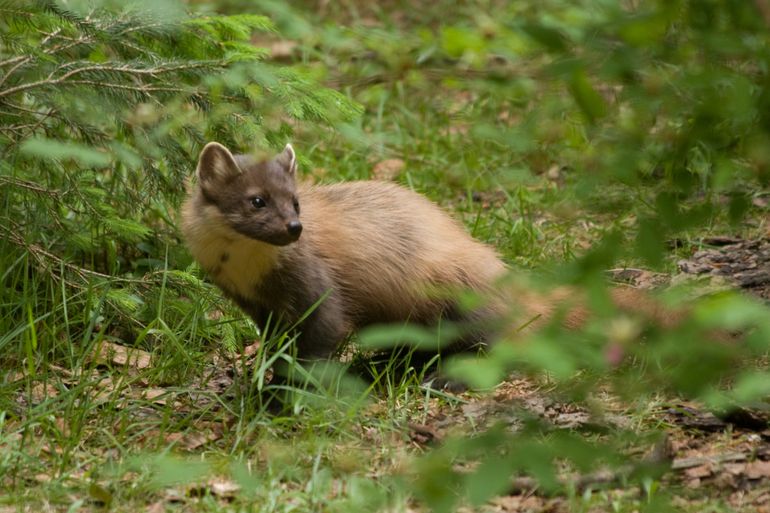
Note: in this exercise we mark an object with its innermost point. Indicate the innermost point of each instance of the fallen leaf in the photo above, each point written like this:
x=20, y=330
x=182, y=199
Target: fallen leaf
x=508, y=117
x=174, y=437
x=192, y=441
x=105, y=389
x=51, y=449
x=699, y=471
x=572, y=420
x=251, y=349
x=693, y=483
x=554, y=173
x=388, y=170
x=725, y=481
x=223, y=488
x=107, y=352
x=42, y=391
x=155, y=395
x=14, y=376
x=423, y=434
x=459, y=128
x=735, y=469
x=475, y=410
x=215, y=315
x=369, y=21
x=173, y=495
x=758, y=469
x=156, y=507
x=282, y=49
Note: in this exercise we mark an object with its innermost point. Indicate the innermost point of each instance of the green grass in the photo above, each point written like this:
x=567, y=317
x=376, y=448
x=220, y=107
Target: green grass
x=79, y=433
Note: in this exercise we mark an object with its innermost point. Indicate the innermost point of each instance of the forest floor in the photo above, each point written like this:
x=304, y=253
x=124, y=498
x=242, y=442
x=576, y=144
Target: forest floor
x=178, y=442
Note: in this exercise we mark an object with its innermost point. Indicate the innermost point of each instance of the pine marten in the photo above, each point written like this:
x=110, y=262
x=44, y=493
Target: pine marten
x=369, y=251
x=354, y=254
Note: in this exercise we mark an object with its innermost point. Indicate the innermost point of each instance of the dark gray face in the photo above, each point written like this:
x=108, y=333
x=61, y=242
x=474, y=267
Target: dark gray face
x=257, y=199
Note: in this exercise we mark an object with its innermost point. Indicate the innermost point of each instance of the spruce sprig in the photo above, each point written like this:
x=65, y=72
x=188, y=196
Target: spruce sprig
x=101, y=116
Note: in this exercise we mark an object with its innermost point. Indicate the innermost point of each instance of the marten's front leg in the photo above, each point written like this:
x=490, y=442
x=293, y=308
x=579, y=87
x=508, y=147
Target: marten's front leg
x=323, y=331
x=308, y=304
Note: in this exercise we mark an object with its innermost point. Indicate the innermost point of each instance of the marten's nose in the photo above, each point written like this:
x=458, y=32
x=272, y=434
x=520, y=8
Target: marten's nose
x=294, y=228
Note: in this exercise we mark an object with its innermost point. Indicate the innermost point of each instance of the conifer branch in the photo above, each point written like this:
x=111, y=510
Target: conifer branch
x=145, y=89
x=13, y=60
x=44, y=257
x=25, y=184
x=63, y=80
x=13, y=69
x=114, y=137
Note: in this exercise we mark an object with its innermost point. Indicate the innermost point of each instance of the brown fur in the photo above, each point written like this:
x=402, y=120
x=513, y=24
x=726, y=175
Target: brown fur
x=375, y=249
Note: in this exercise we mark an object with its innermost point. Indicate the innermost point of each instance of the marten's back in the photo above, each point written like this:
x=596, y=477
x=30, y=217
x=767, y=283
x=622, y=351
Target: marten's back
x=385, y=244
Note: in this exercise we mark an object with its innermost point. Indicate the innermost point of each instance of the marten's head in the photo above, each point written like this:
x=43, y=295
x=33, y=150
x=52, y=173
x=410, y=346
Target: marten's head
x=256, y=199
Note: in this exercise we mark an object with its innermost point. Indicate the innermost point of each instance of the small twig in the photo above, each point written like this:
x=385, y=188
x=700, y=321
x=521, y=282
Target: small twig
x=685, y=463
x=50, y=36
x=65, y=78
x=32, y=186
x=13, y=70
x=13, y=60
x=142, y=88
x=31, y=127
x=139, y=27
x=38, y=253
x=24, y=109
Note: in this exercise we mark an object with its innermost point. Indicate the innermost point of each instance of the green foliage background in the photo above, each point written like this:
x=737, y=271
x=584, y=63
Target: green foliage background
x=654, y=115
x=104, y=112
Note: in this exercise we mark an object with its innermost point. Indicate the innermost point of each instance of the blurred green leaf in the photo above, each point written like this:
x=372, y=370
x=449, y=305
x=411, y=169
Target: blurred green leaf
x=478, y=373
x=170, y=470
x=387, y=336
x=551, y=38
x=590, y=102
x=491, y=478
x=44, y=148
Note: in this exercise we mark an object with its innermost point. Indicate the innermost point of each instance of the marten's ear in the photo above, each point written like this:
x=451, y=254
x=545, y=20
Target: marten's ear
x=216, y=164
x=288, y=160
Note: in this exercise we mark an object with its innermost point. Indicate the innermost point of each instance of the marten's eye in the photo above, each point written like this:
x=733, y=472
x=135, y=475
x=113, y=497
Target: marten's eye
x=296, y=205
x=258, y=202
